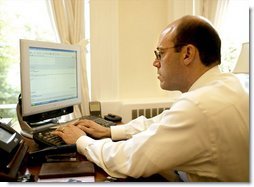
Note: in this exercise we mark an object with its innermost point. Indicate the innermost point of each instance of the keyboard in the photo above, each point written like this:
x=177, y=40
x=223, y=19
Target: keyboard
x=99, y=120
x=46, y=139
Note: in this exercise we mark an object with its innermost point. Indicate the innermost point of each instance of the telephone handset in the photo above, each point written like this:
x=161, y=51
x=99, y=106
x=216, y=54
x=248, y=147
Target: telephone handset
x=12, y=151
x=9, y=139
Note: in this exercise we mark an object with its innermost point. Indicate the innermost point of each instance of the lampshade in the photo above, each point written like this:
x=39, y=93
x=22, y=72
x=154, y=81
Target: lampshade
x=242, y=64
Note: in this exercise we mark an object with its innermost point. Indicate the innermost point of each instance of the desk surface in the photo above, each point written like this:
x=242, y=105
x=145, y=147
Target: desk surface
x=34, y=168
x=100, y=174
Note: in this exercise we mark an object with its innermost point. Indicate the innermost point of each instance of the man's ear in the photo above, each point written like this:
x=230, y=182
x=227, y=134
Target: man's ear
x=189, y=52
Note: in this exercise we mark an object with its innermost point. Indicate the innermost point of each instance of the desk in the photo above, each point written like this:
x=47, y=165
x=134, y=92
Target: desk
x=100, y=174
x=34, y=168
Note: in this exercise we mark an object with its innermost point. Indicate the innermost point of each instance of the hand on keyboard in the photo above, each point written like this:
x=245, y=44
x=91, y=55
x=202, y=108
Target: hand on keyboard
x=94, y=129
x=46, y=138
x=69, y=133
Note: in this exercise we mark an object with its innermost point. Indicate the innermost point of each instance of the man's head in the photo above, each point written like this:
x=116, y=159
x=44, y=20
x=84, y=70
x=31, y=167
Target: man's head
x=187, y=48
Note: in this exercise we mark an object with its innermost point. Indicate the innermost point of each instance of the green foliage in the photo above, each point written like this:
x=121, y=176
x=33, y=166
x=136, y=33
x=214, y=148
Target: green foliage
x=8, y=113
x=14, y=25
x=229, y=57
x=6, y=90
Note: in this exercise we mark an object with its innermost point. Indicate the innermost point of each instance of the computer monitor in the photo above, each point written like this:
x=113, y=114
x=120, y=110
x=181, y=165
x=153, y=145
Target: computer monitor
x=50, y=79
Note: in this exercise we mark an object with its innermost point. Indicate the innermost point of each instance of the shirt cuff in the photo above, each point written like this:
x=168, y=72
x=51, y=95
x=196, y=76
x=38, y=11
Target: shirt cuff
x=118, y=132
x=82, y=144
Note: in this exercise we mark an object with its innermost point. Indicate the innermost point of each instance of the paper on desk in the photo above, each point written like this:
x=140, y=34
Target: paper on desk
x=69, y=179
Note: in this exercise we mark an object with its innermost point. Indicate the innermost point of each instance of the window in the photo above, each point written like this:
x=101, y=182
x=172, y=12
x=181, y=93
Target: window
x=19, y=19
x=234, y=30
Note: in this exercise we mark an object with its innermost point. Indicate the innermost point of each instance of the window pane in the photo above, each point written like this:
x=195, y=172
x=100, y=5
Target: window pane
x=19, y=19
x=234, y=31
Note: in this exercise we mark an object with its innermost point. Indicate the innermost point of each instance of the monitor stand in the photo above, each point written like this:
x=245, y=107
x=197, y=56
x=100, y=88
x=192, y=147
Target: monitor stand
x=27, y=130
x=26, y=134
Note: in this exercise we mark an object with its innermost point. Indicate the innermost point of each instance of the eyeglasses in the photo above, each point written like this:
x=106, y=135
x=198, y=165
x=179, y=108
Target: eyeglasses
x=158, y=52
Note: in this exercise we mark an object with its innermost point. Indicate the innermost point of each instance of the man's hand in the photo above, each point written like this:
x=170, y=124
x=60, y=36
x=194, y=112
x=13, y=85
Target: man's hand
x=93, y=129
x=69, y=133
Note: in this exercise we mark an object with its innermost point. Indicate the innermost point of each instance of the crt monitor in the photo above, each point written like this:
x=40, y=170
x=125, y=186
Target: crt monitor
x=50, y=79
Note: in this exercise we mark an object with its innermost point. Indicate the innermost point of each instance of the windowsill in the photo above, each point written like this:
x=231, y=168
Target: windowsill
x=8, y=106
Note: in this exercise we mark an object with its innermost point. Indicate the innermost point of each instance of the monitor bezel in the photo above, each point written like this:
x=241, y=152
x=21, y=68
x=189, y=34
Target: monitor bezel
x=27, y=108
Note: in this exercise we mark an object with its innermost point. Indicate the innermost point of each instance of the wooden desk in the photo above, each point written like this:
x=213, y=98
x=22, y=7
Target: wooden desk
x=100, y=174
x=34, y=168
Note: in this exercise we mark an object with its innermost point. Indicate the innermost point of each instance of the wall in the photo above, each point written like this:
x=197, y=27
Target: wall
x=104, y=49
x=140, y=23
x=124, y=34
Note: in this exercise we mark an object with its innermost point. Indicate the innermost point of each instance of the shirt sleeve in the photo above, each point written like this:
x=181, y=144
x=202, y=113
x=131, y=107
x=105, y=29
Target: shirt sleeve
x=126, y=131
x=152, y=150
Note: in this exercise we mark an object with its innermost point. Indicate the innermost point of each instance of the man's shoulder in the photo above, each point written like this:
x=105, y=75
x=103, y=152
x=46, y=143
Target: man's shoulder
x=221, y=92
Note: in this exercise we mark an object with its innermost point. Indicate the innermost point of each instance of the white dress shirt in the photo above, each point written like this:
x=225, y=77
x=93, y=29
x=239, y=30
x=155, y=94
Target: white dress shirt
x=205, y=133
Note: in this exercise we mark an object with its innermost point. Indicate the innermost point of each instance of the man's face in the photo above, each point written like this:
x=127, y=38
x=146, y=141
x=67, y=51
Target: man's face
x=168, y=63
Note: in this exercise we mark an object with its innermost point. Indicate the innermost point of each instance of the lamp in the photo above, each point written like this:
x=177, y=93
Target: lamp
x=241, y=68
x=242, y=64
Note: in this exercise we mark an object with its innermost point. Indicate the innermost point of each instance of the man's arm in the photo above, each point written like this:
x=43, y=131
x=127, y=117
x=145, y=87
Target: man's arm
x=118, y=132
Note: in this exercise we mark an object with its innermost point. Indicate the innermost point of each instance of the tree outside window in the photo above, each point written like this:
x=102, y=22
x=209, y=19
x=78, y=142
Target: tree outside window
x=18, y=20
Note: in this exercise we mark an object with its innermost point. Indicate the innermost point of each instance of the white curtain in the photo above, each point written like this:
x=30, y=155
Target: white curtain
x=229, y=19
x=209, y=9
x=69, y=20
x=212, y=10
x=220, y=13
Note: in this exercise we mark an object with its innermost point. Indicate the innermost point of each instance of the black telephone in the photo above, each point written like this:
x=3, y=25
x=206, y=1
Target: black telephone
x=12, y=151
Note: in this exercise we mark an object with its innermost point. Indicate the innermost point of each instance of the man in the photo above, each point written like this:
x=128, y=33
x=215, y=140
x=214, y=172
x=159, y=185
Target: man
x=205, y=134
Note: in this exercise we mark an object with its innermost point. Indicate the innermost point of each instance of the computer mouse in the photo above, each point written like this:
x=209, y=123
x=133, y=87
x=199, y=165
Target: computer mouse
x=113, y=117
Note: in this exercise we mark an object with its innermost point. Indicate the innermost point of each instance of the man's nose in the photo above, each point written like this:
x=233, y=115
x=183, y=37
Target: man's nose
x=156, y=63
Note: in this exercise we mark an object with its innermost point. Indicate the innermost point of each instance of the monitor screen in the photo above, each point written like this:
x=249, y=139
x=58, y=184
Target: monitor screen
x=50, y=79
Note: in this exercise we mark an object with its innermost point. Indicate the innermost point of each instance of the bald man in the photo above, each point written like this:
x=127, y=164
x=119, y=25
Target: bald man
x=204, y=136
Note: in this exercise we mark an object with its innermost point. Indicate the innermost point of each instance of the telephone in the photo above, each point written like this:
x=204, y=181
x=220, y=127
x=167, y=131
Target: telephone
x=13, y=151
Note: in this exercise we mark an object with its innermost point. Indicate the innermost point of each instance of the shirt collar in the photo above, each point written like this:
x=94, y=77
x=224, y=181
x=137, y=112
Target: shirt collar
x=211, y=74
